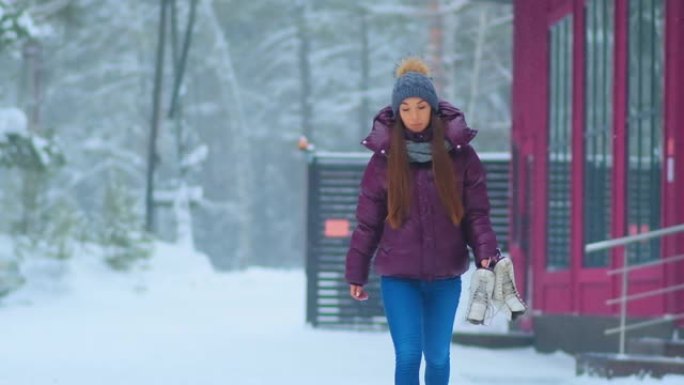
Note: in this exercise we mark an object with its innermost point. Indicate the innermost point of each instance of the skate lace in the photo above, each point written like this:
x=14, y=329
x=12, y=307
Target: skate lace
x=481, y=296
x=480, y=293
x=509, y=289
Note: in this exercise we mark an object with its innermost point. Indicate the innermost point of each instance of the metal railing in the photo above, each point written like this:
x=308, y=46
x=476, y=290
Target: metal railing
x=626, y=269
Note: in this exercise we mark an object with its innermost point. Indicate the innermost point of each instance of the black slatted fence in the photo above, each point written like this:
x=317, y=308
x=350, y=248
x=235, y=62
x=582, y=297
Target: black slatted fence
x=333, y=187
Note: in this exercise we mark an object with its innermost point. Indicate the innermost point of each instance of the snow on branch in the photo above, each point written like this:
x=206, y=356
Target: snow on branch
x=17, y=24
x=196, y=157
x=12, y=122
x=23, y=149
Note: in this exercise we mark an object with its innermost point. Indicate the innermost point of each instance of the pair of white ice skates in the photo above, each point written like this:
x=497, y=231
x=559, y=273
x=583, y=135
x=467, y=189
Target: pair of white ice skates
x=497, y=287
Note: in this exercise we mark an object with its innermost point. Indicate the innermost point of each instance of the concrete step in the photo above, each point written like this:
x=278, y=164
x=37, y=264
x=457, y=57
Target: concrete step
x=610, y=365
x=586, y=334
x=513, y=339
x=655, y=347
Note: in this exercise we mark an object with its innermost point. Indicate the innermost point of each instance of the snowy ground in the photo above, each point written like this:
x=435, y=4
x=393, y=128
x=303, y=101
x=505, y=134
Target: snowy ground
x=177, y=322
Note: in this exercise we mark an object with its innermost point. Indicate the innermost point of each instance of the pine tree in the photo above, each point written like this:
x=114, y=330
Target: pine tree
x=121, y=233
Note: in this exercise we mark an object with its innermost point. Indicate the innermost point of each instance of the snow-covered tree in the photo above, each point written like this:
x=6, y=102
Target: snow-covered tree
x=121, y=231
x=23, y=149
x=15, y=24
x=267, y=37
x=258, y=72
x=82, y=109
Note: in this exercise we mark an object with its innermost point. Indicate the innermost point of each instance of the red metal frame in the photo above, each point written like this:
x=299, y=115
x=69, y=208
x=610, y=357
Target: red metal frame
x=540, y=194
x=590, y=286
x=530, y=118
x=558, y=9
x=551, y=287
x=673, y=119
x=619, y=191
x=651, y=278
x=577, y=164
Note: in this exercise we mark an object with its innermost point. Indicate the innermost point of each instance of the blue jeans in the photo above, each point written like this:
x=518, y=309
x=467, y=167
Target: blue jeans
x=421, y=315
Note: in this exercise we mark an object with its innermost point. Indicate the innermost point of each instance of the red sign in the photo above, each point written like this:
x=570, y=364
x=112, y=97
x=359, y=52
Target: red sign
x=337, y=228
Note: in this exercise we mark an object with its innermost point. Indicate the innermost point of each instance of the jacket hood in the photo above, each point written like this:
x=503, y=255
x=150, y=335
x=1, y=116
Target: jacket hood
x=457, y=131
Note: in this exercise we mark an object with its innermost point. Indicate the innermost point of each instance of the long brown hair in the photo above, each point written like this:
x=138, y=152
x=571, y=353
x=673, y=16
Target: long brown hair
x=399, y=177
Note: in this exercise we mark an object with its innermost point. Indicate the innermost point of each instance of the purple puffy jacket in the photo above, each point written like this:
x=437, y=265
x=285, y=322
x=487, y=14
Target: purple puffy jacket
x=428, y=245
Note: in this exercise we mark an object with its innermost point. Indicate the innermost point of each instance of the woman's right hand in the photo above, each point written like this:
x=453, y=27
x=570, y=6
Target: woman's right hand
x=358, y=293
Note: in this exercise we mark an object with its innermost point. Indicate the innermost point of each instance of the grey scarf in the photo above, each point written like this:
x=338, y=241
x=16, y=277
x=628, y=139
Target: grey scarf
x=421, y=152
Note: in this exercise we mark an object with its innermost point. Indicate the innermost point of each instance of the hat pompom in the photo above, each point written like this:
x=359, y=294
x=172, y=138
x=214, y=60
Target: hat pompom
x=412, y=64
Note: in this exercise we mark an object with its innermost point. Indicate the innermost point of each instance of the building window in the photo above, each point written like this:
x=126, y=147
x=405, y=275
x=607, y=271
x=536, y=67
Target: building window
x=598, y=127
x=560, y=149
x=644, y=125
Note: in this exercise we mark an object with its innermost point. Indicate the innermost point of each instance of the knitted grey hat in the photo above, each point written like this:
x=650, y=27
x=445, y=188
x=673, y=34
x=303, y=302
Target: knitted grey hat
x=412, y=80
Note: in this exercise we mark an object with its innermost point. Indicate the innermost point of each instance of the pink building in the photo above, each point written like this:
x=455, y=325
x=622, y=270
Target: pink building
x=597, y=153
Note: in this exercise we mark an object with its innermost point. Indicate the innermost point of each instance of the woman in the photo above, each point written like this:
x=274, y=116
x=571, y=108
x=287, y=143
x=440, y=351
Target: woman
x=423, y=199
